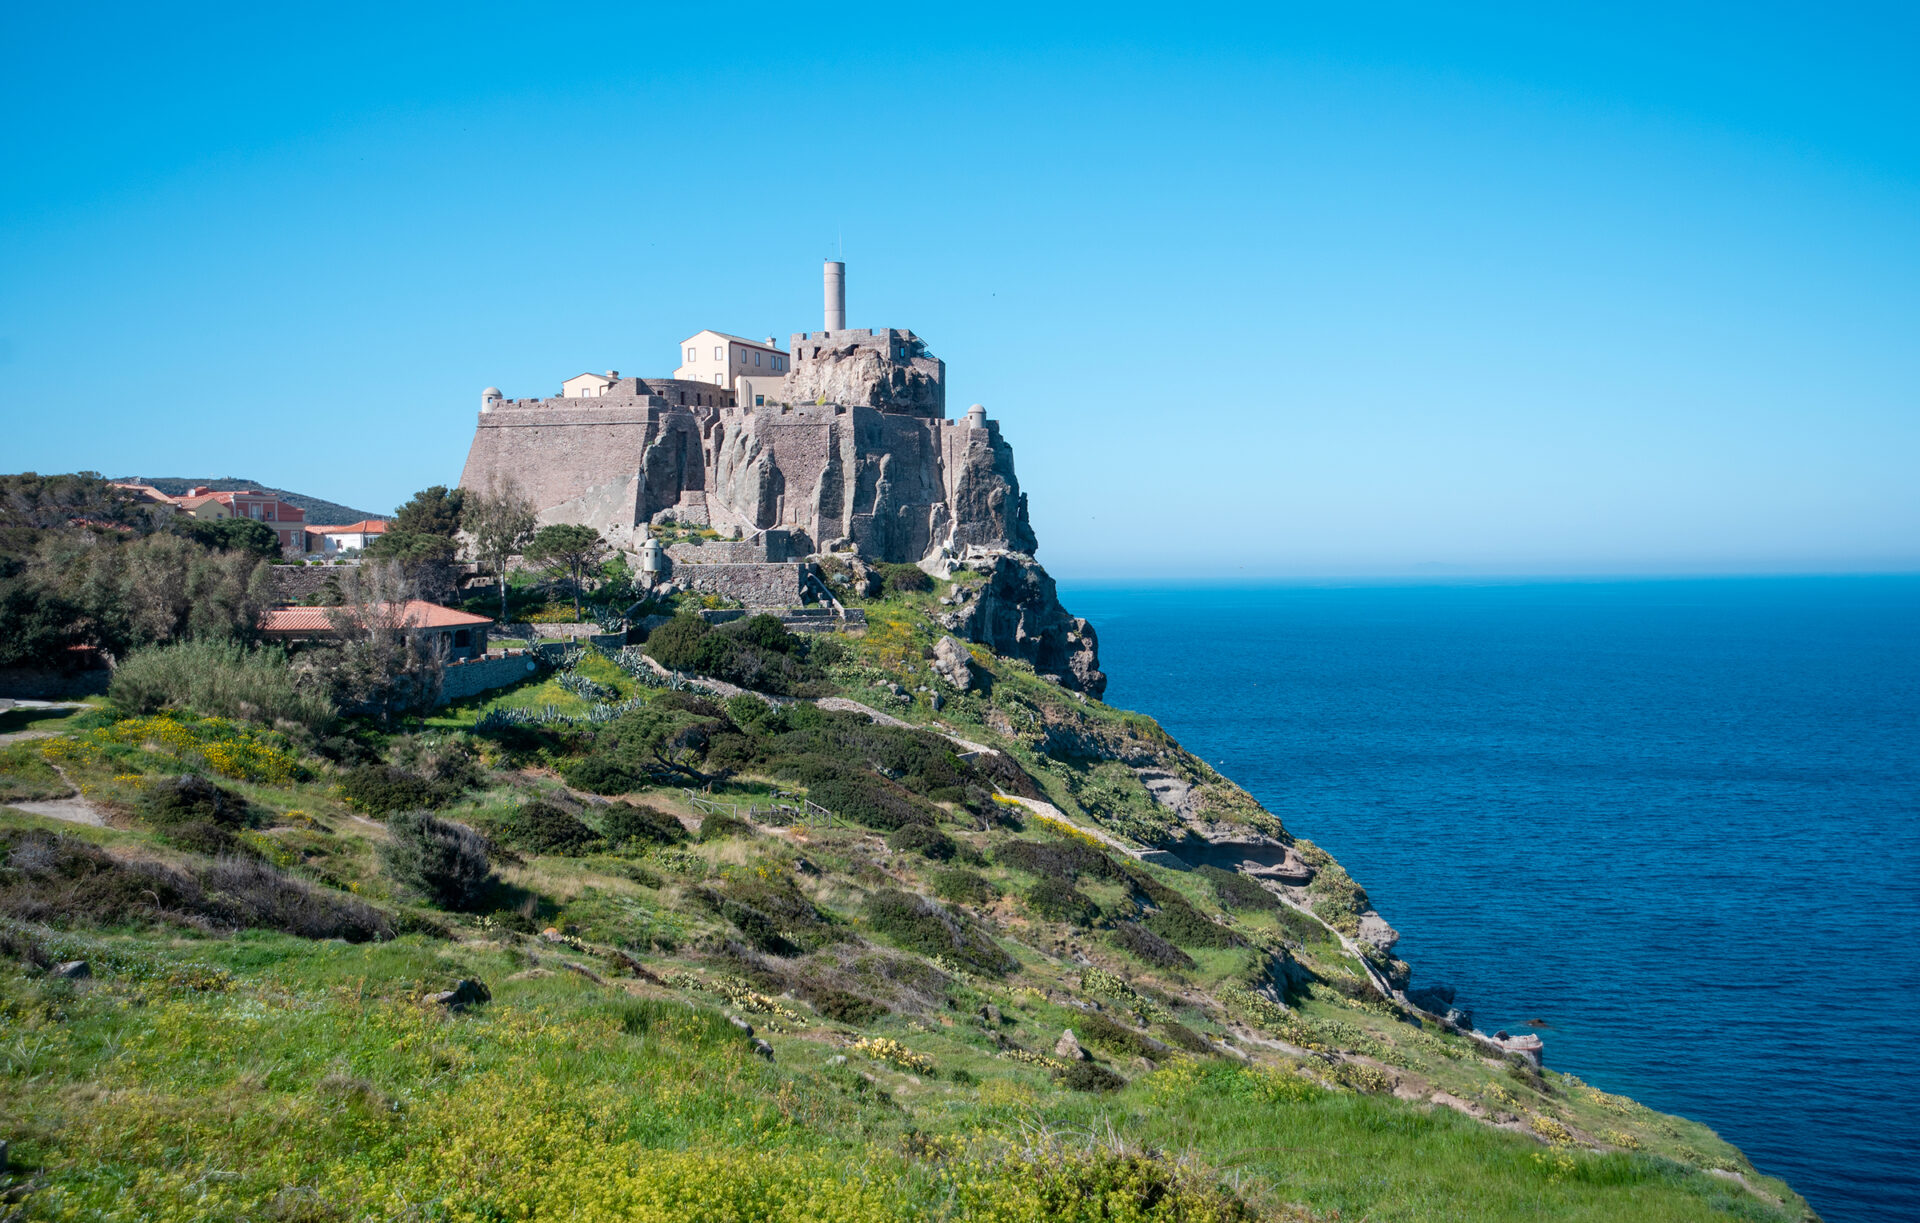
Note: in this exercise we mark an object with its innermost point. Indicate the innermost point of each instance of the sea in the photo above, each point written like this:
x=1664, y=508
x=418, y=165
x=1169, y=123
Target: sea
x=1678, y=821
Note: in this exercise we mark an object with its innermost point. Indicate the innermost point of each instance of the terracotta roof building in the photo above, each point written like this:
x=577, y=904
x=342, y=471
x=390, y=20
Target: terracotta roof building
x=461, y=635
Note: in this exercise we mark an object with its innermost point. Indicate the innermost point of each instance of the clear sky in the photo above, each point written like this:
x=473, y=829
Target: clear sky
x=1294, y=290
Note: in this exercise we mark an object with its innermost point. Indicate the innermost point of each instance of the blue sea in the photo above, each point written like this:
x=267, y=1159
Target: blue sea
x=1677, y=820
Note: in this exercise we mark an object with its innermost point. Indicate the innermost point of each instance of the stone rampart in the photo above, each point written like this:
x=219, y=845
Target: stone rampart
x=754, y=585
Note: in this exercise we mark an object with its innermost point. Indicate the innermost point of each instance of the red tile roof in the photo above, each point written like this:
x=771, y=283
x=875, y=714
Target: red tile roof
x=366, y=526
x=418, y=613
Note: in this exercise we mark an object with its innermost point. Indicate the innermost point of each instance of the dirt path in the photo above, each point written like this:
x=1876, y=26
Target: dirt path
x=74, y=808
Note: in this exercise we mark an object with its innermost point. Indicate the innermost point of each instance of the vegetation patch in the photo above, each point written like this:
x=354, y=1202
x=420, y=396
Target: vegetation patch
x=1149, y=948
x=916, y=923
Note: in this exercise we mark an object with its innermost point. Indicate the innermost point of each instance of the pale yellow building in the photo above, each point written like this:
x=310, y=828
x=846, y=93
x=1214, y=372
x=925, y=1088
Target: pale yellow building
x=716, y=358
x=588, y=386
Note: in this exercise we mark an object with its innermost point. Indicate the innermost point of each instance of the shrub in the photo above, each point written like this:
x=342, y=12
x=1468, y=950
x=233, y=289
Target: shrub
x=918, y=924
x=1183, y=1037
x=540, y=827
x=1062, y=860
x=259, y=895
x=1236, y=891
x=904, y=579
x=673, y=643
x=760, y=928
x=1183, y=924
x=1058, y=901
x=963, y=886
x=627, y=823
x=923, y=840
x=720, y=827
x=221, y=678
x=193, y=813
x=1149, y=948
x=60, y=880
x=1090, y=1076
x=444, y=862
x=600, y=775
x=842, y=1006
x=872, y=801
x=379, y=789
x=1101, y=1032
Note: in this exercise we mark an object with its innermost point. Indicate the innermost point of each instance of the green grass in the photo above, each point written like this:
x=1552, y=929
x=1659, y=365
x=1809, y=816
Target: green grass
x=258, y=1075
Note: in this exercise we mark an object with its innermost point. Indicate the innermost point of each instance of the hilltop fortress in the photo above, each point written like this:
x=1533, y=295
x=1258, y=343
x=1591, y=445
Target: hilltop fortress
x=838, y=445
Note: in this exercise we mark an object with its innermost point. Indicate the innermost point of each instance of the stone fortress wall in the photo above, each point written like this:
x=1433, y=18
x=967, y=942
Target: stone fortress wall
x=851, y=449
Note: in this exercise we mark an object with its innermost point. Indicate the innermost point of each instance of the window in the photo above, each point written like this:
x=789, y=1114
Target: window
x=756, y=358
x=719, y=379
x=719, y=352
x=463, y=638
x=693, y=354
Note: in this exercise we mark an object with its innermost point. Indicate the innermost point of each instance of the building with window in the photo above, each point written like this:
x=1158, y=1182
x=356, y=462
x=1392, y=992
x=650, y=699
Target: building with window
x=288, y=521
x=718, y=358
x=351, y=537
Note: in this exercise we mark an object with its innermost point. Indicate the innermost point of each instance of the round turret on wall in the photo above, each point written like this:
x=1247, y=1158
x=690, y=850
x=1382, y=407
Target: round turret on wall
x=977, y=416
x=490, y=399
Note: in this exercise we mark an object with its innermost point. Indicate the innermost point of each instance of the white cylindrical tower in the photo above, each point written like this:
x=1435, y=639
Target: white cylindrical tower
x=490, y=399
x=836, y=284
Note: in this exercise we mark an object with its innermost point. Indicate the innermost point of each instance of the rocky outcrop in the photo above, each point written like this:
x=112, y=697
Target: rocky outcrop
x=1016, y=612
x=888, y=370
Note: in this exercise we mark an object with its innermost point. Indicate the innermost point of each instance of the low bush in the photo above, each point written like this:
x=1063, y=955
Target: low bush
x=1149, y=948
x=193, y=813
x=761, y=929
x=1055, y=900
x=904, y=579
x=257, y=895
x=541, y=827
x=923, y=840
x=1103, y=1033
x=1062, y=860
x=720, y=827
x=1183, y=924
x=1091, y=1076
x=963, y=887
x=445, y=863
x=631, y=824
x=379, y=789
x=1181, y=1036
x=842, y=1006
x=1236, y=891
x=916, y=923
x=598, y=774
x=869, y=800
x=219, y=678
x=62, y=881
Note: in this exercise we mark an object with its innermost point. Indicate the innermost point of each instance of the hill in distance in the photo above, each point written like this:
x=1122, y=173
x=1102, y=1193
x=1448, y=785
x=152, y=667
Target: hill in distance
x=320, y=511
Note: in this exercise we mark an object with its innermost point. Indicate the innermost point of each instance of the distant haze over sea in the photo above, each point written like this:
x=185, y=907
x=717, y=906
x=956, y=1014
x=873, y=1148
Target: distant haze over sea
x=1679, y=821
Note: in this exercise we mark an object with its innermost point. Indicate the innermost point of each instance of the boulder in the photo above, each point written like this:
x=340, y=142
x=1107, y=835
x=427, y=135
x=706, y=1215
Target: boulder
x=72, y=970
x=990, y=1014
x=740, y=1023
x=762, y=1049
x=953, y=662
x=1067, y=1048
x=465, y=993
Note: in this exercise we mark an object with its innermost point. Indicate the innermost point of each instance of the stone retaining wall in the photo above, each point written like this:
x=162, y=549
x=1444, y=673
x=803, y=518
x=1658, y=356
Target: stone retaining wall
x=465, y=679
x=755, y=585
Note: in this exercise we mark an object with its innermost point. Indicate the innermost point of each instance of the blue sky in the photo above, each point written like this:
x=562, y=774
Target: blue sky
x=1287, y=291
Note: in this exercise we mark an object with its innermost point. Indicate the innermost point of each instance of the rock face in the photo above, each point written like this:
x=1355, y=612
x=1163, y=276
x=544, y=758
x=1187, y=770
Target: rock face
x=890, y=369
x=1068, y=1049
x=1017, y=612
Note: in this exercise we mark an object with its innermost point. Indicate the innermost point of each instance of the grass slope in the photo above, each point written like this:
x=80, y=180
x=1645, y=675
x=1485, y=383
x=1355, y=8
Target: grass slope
x=910, y=985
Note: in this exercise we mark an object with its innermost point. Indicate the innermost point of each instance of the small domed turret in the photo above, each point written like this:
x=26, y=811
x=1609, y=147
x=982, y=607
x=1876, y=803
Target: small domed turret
x=977, y=416
x=490, y=398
